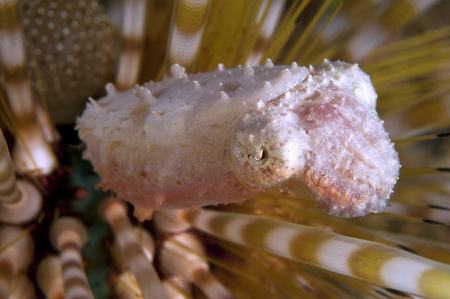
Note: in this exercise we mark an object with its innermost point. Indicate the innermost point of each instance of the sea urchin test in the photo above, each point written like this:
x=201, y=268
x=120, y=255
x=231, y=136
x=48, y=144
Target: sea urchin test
x=231, y=134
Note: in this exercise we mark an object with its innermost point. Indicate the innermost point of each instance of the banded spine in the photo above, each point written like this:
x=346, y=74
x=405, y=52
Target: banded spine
x=20, y=201
x=133, y=32
x=115, y=213
x=183, y=255
x=369, y=261
x=9, y=193
x=391, y=20
x=68, y=235
x=32, y=153
x=49, y=277
x=269, y=15
x=188, y=24
x=16, y=253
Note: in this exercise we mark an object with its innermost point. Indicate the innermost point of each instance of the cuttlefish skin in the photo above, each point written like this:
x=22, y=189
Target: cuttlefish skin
x=229, y=135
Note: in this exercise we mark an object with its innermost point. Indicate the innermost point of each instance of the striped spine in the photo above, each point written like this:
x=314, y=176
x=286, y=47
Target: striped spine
x=369, y=261
x=49, y=278
x=274, y=12
x=127, y=286
x=9, y=193
x=114, y=211
x=133, y=29
x=16, y=253
x=20, y=201
x=176, y=287
x=68, y=235
x=188, y=24
x=32, y=153
x=394, y=18
x=183, y=255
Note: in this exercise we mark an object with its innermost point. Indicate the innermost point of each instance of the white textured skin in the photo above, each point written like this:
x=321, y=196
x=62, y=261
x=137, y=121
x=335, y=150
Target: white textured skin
x=324, y=133
x=168, y=148
x=228, y=135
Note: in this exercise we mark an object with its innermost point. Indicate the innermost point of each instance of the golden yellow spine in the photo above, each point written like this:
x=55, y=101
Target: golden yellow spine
x=373, y=262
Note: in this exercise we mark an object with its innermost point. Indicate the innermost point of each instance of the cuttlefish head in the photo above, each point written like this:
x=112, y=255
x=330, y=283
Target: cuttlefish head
x=327, y=140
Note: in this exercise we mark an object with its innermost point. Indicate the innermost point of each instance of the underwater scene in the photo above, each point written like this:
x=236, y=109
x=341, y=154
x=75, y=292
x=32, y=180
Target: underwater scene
x=225, y=149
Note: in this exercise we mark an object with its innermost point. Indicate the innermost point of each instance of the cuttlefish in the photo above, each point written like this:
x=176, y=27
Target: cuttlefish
x=231, y=134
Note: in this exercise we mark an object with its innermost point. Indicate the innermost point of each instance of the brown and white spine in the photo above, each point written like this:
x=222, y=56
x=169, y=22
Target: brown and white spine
x=20, y=201
x=373, y=262
x=16, y=254
x=68, y=235
x=137, y=261
x=183, y=255
x=133, y=29
x=188, y=24
x=32, y=153
x=49, y=277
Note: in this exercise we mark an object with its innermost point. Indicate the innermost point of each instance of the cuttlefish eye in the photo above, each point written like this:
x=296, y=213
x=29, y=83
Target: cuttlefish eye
x=259, y=157
x=266, y=149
